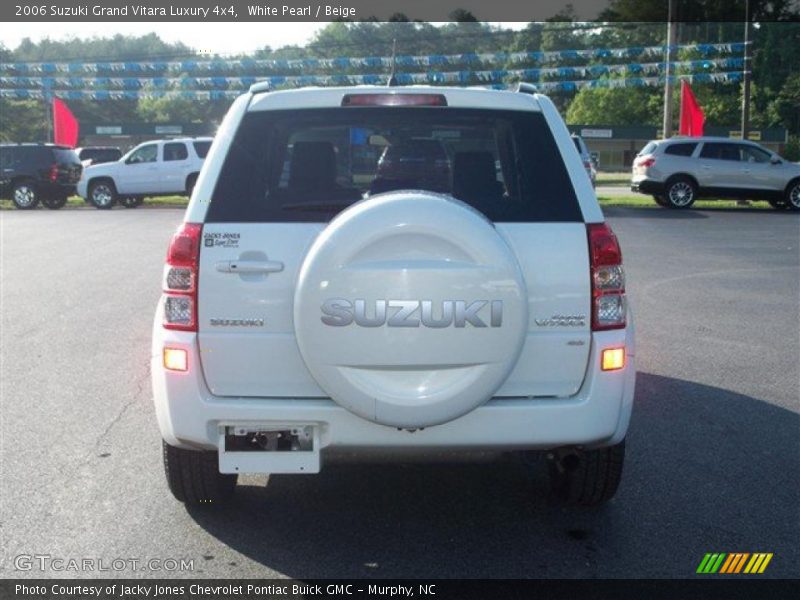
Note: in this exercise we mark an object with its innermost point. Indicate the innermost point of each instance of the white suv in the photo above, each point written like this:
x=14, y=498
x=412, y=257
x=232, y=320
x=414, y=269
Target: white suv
x=319, y=301
x=156, y=168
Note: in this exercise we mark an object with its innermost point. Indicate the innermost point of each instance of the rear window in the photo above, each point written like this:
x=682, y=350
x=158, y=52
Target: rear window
x=680, y=149
x=65, y=155
x=650, y=147
x=308, y=165
x=201, y=148
x=101, y=154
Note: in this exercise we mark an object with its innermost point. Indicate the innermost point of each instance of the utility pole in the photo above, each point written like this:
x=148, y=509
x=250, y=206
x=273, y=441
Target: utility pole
x=672, y=36
x=48, y=105
x=746, y=74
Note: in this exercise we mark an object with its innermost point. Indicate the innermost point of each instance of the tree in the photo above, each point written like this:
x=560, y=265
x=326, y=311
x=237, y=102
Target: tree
x=615, y=106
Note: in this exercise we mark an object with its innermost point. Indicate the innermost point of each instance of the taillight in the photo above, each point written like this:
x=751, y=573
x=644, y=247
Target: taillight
x=645, y=161
x=396, y=99
x=608, y=278
x=54, y=172
x=180, y=278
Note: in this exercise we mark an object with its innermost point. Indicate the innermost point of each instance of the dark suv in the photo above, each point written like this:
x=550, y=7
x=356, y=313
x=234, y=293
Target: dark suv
x=30, y=173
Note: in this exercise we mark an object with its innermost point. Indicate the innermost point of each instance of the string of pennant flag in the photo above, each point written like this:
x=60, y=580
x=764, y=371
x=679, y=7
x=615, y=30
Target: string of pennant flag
x=488, y=78
x=327, y=64
x=222, y=83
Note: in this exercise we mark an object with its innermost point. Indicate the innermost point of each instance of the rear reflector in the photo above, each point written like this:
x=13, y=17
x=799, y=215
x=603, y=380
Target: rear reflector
x=613, y=359
x=396, y=99
x=176, y=359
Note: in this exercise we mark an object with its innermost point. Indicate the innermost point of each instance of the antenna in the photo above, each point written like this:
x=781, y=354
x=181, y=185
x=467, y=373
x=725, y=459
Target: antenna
x=392, y=79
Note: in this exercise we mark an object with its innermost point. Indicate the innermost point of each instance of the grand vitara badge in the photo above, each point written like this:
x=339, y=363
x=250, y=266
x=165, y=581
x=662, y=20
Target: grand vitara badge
x=339, y=312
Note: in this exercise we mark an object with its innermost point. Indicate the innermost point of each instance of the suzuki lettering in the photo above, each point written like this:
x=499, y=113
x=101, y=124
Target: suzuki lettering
x=339, y=312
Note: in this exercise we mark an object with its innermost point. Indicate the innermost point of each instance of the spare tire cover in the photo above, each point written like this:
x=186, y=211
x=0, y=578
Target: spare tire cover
x=410, y=309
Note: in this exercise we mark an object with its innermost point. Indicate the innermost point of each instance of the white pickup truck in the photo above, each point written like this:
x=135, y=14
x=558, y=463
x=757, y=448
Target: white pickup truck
x=155, y=168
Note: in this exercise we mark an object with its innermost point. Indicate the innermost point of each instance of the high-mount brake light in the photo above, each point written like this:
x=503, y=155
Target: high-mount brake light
x=394, y=99
x=608, y=278
x=180, y=278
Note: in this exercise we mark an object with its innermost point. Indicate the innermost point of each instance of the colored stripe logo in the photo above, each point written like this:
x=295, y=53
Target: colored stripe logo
x=734, y=563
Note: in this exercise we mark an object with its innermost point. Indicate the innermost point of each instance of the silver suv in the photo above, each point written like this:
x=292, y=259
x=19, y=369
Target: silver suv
x=678, y=171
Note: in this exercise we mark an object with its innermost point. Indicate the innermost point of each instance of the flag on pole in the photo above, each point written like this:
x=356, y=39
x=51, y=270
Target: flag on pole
x=692, y=116
x=65, y=125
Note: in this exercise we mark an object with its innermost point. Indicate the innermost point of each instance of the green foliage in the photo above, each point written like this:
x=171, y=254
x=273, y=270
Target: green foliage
x=22, y=121
x=615, y=106
x=792, y=151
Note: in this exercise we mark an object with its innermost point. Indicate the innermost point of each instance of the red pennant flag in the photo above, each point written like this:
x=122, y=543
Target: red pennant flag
x=692, y=117
x=65, y=125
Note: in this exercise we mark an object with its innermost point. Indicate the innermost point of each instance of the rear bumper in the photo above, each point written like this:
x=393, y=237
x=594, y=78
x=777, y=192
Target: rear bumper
x=598, y=415
x=647, y=186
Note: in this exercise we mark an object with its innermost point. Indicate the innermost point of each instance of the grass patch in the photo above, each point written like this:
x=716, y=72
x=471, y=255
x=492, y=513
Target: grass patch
x=613, y=179
x=648, y=202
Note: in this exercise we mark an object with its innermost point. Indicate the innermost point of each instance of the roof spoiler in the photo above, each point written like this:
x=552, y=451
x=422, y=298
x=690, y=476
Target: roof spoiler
x=526, y=88
x=261, y=87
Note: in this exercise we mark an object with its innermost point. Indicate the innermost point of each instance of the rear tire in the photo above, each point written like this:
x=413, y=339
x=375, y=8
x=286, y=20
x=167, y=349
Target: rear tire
x=586, y=477
x=193, y=476
x=24, y=195
x=680, y=192
x=55, y=202
x=102, y=194
x=661, y=201
x=131, y=201
x=778, y=204
x=191, y=181
x=793, y=195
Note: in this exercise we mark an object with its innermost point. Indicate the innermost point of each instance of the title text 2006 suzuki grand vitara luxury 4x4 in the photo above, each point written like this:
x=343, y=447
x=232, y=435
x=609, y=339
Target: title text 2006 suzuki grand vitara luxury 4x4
x=321, y=299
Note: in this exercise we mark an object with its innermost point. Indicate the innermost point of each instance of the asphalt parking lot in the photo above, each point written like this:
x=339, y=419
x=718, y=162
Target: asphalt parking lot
x=713, y=447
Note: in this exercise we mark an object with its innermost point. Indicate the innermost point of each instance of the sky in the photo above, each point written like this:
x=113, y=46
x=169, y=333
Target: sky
x=215, y=38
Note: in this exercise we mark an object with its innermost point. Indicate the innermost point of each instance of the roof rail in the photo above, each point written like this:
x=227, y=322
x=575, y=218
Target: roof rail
x=526, y=88
x=260, y=87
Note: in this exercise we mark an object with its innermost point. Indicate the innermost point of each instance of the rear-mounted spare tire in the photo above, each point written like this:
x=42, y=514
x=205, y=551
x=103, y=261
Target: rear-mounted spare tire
x=410, y=309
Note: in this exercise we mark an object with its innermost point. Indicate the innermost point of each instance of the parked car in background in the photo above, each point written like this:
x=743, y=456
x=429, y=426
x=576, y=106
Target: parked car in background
x=155, y=168
x=95, y=155
x=586, y=158
x=33, y=173
x=678, y=171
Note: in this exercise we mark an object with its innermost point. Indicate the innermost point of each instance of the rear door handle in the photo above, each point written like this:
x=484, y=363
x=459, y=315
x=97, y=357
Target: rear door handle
x=249, y=266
